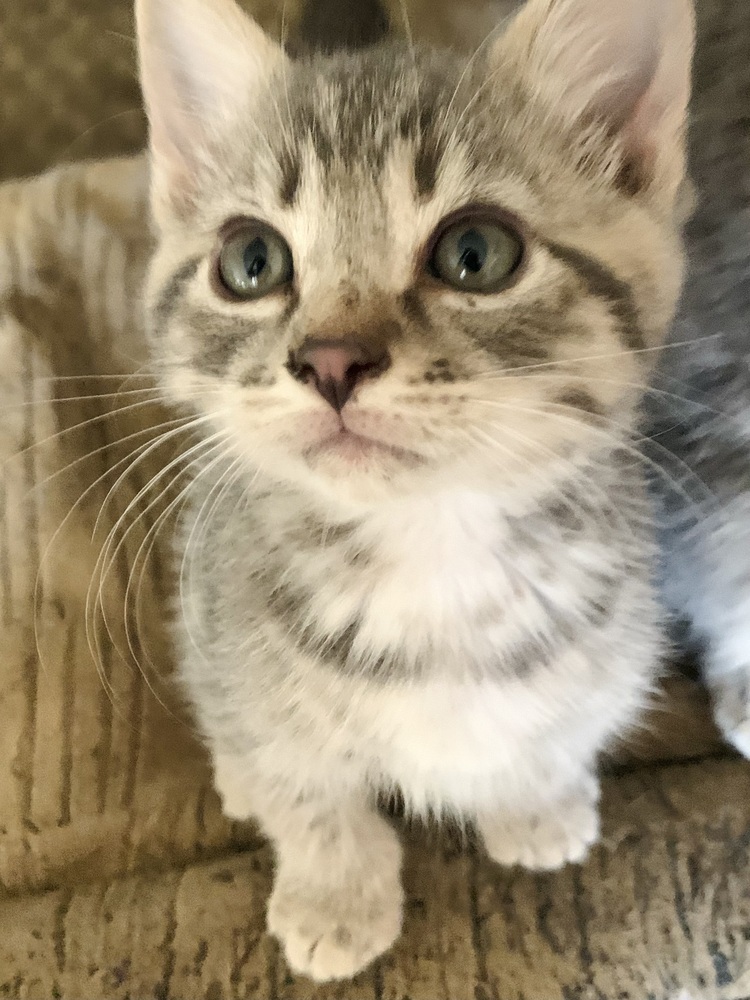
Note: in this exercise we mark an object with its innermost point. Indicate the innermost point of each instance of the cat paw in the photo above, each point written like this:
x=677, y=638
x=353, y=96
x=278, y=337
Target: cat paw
x=544, y=841
x=731, y=702
x=333, y=936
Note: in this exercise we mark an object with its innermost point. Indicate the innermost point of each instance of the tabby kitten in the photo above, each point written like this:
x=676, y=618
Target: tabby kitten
x=414, y=297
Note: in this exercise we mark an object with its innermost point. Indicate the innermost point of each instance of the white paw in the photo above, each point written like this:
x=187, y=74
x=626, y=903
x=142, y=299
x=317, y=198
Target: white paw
x=731, y=698
x=547, y=840
x=327, y=936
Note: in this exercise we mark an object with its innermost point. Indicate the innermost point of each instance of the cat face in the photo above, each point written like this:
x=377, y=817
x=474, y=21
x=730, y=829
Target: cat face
x=392, y=270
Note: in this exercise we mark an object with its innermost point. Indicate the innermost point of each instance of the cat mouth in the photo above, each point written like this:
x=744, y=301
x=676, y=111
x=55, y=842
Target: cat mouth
x=357, y=449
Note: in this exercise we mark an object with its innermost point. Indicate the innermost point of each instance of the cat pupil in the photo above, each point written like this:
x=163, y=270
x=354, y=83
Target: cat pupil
x=255, y=258
x=472, y=248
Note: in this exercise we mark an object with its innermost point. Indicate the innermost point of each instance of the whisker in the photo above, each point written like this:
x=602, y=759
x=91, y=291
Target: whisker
x=490, y=36
x=113, y=545
x=105, y=447
x=599, y=357
x=203, y=443
x=201, y=524
x=147, y=543
x=129, y=408
x=175, y=506
x=61, y=527
x=123, y=377
x=661, y=449
x=643, y=387
x=80, y=136
x=148, y=448
x=574, y=471
x=617, y=442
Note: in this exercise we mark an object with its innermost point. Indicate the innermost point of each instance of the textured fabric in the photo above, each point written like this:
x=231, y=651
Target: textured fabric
x=68, y=79
x=118, y=876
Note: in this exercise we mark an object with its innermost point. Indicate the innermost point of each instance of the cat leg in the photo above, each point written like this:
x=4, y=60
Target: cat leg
x=707, y=584
x=730, y=692
x=726, y=631
x=710, y=585
x=549, y=836
x=337, y=899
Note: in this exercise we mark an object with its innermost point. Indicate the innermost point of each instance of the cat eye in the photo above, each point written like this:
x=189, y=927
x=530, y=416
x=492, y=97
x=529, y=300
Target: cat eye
x=476, y=255
x=254, y=260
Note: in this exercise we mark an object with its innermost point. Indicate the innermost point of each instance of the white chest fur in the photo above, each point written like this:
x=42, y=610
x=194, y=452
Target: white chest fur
x=442, y=583
x=460, y=746
x=437, y=583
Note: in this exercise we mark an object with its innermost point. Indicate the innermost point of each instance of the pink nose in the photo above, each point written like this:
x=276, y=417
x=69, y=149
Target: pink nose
x=336, y=367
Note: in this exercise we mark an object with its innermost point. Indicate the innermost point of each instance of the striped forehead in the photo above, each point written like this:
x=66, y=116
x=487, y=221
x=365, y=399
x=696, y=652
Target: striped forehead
x=349, y=116
x=355, y=171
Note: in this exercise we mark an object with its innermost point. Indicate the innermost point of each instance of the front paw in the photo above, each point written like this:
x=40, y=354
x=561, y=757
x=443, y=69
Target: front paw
x=544, y=840
x=334, y=933
x=731, y=702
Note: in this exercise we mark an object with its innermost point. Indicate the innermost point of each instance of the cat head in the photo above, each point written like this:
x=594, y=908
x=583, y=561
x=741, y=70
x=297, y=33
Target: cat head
x=385, y=271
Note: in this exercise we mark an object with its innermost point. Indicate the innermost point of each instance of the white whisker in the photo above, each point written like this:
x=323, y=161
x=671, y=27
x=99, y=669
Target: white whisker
x=147, y=544
x=113, y=545
x=598, y=357
x=618, y=442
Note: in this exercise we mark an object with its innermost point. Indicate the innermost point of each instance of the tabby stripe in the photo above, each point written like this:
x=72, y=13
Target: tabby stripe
x=218, y=348
x=292, y=612
x=173, y=291
x=291, y=176
x=603, y=284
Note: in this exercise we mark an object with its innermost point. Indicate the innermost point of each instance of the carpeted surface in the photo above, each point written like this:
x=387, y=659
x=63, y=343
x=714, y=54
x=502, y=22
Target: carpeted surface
x=118, y=876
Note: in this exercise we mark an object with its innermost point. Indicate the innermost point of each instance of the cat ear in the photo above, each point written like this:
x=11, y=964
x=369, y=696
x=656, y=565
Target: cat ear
x=624, y=64
x=201, y=61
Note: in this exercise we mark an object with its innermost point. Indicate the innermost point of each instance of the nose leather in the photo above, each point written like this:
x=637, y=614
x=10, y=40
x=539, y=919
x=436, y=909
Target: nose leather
x=336, y=367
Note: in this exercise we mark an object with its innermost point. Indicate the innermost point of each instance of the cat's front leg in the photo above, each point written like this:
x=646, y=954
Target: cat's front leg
x=555, y=832
x=337, y=899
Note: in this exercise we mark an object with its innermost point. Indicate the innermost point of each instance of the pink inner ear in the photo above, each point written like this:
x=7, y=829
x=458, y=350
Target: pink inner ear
x=639, y=155
x=624, y=63
x=201, y=62
x=627, y=96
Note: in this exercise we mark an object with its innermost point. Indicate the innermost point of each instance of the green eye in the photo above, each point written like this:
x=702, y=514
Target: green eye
x=476, y=256
x=254, y=261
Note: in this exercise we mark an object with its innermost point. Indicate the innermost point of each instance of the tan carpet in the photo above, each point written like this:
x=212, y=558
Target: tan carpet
x=118, y=876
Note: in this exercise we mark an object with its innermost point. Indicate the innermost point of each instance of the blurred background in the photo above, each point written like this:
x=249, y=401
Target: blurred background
x=68, y=73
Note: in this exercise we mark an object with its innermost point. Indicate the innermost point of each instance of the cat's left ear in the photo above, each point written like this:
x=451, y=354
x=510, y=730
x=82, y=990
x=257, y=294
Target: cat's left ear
x=202, y=62
x=622, y=64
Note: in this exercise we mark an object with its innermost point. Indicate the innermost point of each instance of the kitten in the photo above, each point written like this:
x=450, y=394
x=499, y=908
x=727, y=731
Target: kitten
x=700, y=409
x=413, y=298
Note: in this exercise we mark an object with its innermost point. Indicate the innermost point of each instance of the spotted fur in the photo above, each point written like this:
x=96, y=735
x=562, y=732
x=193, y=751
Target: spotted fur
x=461, y=608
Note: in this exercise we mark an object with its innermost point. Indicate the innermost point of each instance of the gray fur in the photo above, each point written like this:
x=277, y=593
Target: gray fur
x=445, y=585
x=602, y=283
x=700, y=411
x=562, y=535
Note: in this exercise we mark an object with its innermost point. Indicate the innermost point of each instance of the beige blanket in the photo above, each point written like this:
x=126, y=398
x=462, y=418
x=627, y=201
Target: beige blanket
x=118, y=876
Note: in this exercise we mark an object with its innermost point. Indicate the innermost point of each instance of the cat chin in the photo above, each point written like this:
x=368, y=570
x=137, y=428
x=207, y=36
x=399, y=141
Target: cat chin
x=364, y=479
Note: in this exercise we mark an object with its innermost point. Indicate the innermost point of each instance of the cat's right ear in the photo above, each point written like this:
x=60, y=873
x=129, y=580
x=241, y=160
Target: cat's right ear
x=624, y=65
x=201, y=63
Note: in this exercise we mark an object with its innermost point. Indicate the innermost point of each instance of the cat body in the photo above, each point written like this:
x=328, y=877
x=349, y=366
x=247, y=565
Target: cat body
x=468, y=628
x=412, y=299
